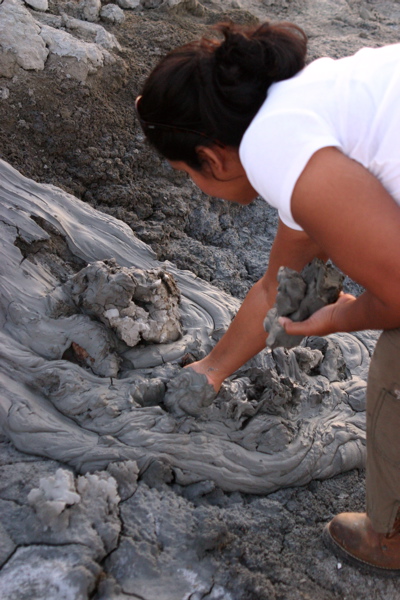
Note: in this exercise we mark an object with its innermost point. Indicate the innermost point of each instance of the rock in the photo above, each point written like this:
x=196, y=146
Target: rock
x=49, y=19
x=78, y=59
x=151, y=3
x=4, y=93
x=38, y=4
x=91, y=10
x=27, y=42
x=21, y=42
x=129, y=3
x=91, y=32
x=111, y=13
x=191, y=6
x=158, y=474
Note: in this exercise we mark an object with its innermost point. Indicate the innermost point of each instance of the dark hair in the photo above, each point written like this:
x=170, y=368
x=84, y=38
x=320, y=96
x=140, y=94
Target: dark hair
x=208, y=91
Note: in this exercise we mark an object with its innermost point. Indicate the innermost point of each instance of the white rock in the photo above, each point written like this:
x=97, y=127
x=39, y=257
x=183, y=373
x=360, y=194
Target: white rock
x=192, y=6
x=87, y=57
x=91, y=10
x=4, y=93
x=91, y=32
x=49, y=19
x=157, y=3
x=64, y=44
x=106, y=39
x=111, y=13
x=111, y=313
x=38, y=4
x=21, y=43
x=128, y=3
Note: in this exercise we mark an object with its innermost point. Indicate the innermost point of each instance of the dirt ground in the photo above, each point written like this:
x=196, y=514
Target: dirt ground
x=85, y=139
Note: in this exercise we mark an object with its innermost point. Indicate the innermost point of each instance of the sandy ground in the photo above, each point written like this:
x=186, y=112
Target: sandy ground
x=84, y=138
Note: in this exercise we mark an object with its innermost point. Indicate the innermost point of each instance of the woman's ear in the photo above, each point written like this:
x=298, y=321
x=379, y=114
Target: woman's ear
x=222, y=163
x=212, y=160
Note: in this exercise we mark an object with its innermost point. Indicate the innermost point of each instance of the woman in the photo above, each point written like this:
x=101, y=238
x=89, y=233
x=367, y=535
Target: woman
x=244, y=117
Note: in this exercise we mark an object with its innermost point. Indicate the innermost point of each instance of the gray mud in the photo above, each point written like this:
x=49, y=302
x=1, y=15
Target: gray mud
x=189, y=393
x=91, y=372
x=112, y=488
x=299, y=296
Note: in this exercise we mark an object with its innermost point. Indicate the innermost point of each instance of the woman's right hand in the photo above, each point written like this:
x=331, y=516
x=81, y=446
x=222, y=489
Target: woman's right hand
x=322, y=322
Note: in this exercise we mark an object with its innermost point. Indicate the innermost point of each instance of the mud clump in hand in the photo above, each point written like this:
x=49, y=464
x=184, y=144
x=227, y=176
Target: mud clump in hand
x=299, y=296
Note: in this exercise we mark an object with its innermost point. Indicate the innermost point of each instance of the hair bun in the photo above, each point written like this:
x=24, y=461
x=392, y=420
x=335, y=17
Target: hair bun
x=210, y=90
x=269, y=52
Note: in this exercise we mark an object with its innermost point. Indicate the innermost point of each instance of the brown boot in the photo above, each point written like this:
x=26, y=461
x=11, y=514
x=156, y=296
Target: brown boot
x=351, y=536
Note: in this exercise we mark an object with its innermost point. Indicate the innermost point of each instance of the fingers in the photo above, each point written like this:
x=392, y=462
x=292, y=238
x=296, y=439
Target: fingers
x=296, y=327
x=320, y=323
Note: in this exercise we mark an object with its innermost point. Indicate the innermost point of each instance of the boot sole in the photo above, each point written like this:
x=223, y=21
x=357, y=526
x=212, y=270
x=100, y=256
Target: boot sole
x=363, y=566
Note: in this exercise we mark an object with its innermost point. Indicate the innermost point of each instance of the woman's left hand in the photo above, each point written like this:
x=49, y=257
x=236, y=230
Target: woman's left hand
x=321, y=322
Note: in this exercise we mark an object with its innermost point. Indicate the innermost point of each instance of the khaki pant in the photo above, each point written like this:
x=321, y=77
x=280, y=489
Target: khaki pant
x=383, y=432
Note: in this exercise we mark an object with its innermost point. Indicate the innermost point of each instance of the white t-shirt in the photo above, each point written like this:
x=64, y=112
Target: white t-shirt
x=352, y=103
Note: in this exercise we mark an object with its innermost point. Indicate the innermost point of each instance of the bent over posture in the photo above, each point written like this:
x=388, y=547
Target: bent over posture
x=244, y=117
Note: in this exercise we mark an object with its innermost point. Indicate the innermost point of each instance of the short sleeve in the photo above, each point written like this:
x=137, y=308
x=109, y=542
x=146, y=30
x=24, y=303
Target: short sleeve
x=275, y=150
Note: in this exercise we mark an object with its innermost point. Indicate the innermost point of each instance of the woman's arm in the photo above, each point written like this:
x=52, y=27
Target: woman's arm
x=348, y=213
x=246, y=335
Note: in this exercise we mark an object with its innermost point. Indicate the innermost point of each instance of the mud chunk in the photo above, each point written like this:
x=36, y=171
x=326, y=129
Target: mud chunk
x=189, y=394
x=136, y=304
x=299, y=296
